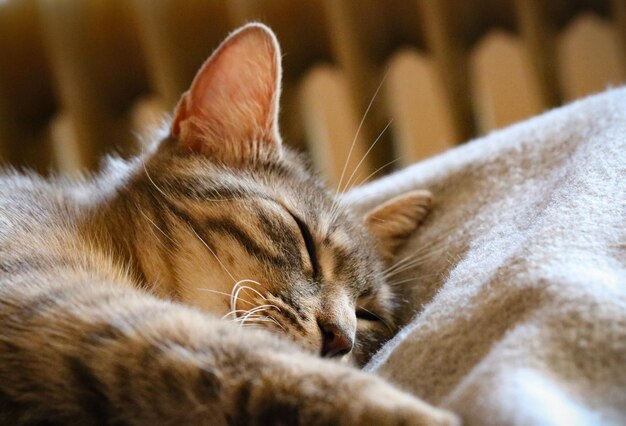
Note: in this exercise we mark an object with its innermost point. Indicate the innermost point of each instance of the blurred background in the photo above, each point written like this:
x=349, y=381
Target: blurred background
x=81, y=78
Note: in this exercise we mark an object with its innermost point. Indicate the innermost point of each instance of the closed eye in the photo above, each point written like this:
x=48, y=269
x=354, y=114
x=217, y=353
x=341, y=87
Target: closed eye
x=366, y=315
x=309, y=244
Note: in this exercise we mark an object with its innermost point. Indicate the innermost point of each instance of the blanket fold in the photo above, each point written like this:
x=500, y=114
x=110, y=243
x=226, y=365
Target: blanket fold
x=518, y=276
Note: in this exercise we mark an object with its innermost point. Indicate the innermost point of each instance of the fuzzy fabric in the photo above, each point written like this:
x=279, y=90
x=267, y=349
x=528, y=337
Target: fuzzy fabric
x=519, y=272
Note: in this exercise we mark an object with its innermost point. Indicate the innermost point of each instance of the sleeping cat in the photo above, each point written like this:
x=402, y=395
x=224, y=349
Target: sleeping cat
x=167, y=289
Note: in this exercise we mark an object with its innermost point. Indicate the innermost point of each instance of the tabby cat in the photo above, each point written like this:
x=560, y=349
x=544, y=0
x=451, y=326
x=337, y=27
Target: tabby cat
x=167, y=289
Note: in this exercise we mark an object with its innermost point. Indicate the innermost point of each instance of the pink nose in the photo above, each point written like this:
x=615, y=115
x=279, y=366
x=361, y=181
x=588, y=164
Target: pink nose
x=335, y=342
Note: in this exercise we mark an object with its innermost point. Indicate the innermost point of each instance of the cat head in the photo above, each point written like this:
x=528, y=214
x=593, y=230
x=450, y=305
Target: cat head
x=252, y=234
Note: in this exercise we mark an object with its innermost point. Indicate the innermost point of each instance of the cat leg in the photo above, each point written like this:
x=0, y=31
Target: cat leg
x=81, y=352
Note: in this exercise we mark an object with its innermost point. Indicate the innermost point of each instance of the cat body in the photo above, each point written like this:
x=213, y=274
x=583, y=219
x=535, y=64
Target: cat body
x=199, y=282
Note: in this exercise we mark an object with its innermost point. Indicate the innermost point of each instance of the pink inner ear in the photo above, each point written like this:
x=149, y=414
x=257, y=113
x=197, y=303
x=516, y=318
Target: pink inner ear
x=232, y=105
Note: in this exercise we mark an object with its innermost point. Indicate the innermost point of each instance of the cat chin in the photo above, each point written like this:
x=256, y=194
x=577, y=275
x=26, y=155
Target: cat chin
x=346, y=359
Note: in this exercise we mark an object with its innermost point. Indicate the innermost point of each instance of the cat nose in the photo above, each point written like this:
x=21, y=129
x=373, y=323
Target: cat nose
x=335, y=341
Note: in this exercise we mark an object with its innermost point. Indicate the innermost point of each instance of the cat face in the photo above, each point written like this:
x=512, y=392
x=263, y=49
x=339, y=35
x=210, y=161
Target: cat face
x=255, y=236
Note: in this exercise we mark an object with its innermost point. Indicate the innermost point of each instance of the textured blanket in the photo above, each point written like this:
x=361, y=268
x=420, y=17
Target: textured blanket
x=518, y=275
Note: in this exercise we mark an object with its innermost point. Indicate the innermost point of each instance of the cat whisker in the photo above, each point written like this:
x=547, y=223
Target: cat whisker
x=362, y=181
x=156, y=226
x=254, y=311
x=396, y=265
x=263, y=308
x=257, y=322
x=449, y=259
x=222, y=293
x=213, y=253
x=250, y=316
x=251, y=282
x=227, y=295
x=275, y=321
x=237, y=288
x=416, y=256
x=242, y=322
x=358, y=131
x=407, y=280
x=416, y=261
x=145, y=169
x=400, y=264
x=259, y=318
x=349, y=182
x=441, y=239
x=335, y=206
x=378, y=318
x=435, y=245
x=234, y=312
x=400, y=281
x=358, y=166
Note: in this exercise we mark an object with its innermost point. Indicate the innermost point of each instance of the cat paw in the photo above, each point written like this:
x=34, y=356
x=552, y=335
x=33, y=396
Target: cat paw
x=381, y=404
x=321, y=393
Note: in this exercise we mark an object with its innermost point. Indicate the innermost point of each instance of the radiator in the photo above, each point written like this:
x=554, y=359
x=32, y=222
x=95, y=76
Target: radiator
x=369, y=85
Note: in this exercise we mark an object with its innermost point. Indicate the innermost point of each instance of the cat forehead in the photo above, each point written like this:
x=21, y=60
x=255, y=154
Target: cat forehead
x=287, y=181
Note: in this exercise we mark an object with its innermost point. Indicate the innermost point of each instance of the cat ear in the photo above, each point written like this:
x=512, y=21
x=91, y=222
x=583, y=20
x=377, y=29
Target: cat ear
x=392, y=223
x=230, y=112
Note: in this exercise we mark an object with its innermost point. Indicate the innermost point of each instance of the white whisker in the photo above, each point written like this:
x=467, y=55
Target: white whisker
x=223, y=293
x=375, y=172
x=335, y=210
x=252, y=312
x=335, y=207
x=402, y=280
x=237, y=288
x=213, y=253
x=263, y=308
x=378, y=317
x=436, y=245
x=358, y=131
x=156, y=226
x=275, y=321
x=407, y=280
x=415, y=262
x=235, y=312
x=356, y=169
x=145, y=169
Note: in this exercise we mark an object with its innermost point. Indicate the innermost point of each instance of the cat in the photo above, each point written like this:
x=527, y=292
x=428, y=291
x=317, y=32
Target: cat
x=203, y=281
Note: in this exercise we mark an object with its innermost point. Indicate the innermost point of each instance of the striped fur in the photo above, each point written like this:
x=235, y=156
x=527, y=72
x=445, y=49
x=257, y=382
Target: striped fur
x=113, y=290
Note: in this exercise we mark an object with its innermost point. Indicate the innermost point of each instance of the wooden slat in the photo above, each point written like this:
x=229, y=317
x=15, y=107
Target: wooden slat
x=98, y=71
x=116, y=63
x=443, y=40
x=504, y=87
x=148, y=116
x=350, y=46
x=331, y=124
x=26, y=95
x=589, y=57
x=538, y=37
x=66, y=145
x=419, y=106
x=7, y=134
x=177, y=37
x=619, y=14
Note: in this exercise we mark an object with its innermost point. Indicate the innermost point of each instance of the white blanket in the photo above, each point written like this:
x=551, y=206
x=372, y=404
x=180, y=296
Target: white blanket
x=519, y=273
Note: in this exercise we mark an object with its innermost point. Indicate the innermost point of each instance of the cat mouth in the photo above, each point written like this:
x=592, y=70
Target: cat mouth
x=270, y=312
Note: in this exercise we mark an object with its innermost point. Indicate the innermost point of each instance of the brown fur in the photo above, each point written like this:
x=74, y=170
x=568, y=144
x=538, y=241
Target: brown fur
x=112, y=288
